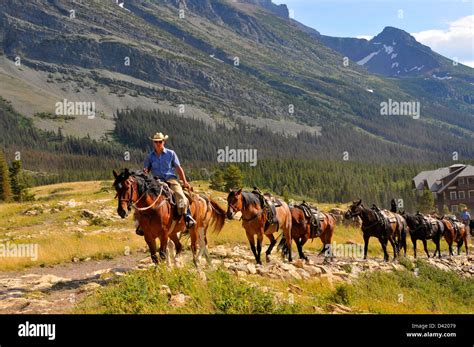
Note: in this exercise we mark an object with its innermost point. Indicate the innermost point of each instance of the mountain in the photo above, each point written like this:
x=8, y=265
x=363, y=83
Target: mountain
x=226, y=62
x=394, y=53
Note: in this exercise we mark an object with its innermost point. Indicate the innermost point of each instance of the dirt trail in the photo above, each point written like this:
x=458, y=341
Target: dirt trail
x=56, y=289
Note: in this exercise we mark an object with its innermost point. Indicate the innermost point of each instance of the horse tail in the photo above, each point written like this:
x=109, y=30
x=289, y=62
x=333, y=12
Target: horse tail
x=283, y=245
x=217, y=216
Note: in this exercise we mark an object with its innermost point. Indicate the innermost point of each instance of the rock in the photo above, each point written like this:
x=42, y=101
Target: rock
x=219, y=252
x=299, y=263
x=47, y=281
x=323, y=269
x=89, y=287
x=179, y=300
x=338, y=308
x=238, y=267
x=165, y=290
x=89, y=214
x=294, y=274
x=313, y=270
x=75, y=260
x=287, y=267
x=83, y=222
x=241, y=273
x=251, y=269
x=304, y=274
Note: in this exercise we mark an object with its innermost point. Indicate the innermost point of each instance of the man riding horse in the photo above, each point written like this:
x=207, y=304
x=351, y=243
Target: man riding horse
x=163, y=163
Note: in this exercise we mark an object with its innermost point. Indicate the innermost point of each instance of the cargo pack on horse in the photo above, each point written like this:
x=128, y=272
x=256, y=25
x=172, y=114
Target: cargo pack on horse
x=381, y=224
x=454, y=231
x=425, y=228
x=308, y=222
x=261, y=215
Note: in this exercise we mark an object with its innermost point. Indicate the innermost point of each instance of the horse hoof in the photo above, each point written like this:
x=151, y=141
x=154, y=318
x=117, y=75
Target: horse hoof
x=267, y=259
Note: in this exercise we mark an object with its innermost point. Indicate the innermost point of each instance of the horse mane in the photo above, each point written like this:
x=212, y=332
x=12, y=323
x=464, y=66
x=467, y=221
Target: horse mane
x=250, y=199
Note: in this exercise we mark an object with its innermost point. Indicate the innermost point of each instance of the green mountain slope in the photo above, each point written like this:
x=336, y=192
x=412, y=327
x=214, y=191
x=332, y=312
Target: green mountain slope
x=228, y=61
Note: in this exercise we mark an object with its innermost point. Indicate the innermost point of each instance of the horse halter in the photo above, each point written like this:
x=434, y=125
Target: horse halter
x=133, y=185
x=232, y=209
x=352, y=214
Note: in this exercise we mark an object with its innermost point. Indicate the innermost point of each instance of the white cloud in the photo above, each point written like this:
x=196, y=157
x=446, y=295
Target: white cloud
x=457, y=42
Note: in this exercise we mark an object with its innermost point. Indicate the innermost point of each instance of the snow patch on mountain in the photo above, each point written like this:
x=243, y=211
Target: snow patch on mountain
x=367, y=58
x=388, y=49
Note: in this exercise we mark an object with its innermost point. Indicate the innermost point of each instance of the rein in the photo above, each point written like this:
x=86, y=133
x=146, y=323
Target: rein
x=134, y=205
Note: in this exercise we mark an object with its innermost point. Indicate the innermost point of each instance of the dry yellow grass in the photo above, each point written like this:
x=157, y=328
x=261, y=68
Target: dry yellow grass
x=60, y=238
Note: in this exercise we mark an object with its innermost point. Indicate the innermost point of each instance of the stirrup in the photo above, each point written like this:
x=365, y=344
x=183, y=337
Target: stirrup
x=189, y=221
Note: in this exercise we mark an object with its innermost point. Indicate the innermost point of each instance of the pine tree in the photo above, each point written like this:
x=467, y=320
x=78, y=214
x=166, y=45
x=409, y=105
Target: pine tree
x=233, y=177
x=217, y=180
x=426, y=201
x=5, y=189
x=19, y=183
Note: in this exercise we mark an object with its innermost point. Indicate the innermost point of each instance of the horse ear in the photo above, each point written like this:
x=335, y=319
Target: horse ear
x=115, y=173
x=359, y=202
x=126, y=172
x=239, y=191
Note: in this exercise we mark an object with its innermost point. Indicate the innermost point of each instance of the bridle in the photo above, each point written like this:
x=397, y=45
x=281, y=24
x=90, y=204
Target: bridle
x=352, y=215
x=134, y=187
x=234, y=210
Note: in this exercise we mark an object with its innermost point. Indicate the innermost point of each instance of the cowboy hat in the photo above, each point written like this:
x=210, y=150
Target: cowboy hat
x=159, y=137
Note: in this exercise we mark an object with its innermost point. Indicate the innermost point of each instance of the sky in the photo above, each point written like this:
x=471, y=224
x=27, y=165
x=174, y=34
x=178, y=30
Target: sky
x=447, y=26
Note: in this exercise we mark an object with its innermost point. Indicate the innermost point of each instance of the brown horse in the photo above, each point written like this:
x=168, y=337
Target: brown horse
x=154, y=212
x=450, y=234
x=211, y=215
x=381, y=224
x=301, y=230
x=254, y=220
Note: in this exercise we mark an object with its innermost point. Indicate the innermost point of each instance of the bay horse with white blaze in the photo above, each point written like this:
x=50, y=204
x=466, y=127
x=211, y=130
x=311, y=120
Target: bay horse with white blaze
x=155, y=214
x=255, y=218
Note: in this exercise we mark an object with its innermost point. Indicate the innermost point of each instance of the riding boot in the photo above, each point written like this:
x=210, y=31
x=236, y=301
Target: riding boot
x=188, y=219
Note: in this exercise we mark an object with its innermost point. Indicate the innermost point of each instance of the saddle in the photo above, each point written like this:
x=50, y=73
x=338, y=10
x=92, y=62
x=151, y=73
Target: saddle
x=385, y=217
x=315, y=218
x=268, y=203
x=457, y=225
x=430, y=223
